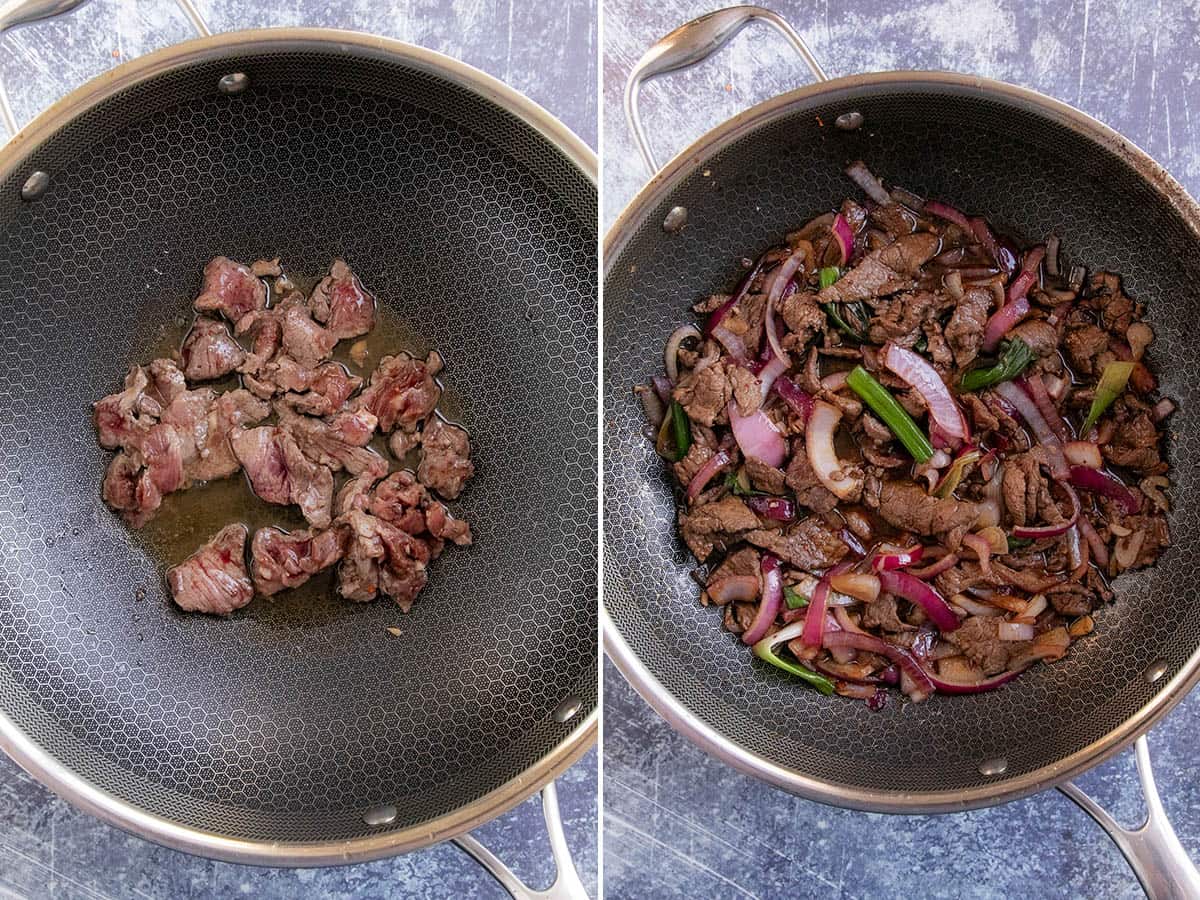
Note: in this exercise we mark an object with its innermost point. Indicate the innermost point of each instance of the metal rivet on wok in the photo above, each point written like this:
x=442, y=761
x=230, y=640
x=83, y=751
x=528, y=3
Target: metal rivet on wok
x=380, y=815
x=568, y=709
x=996, y=766
x=233, y=83
x=1156, y=670
x=675, y=220
x=849, y=121
x=35, y=185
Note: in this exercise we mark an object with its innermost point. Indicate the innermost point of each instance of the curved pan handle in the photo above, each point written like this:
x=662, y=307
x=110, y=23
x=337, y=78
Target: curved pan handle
x=697, y=40
x=567, y=885
x=15, y=13
x=1152, y=850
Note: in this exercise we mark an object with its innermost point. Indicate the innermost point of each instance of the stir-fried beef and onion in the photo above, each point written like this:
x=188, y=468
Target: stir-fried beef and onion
x=910, y=453
x=300, y=425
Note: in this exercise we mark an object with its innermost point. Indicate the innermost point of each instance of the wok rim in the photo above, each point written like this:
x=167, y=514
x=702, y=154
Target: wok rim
x=670, y=708
x=40, y=763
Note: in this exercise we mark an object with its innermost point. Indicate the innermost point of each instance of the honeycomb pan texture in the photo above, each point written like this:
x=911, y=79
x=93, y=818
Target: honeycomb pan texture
x=1031, y=176
x=284, y=723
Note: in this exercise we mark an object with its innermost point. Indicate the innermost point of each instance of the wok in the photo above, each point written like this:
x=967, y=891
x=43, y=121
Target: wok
x=300, y=732
x=1034, y=166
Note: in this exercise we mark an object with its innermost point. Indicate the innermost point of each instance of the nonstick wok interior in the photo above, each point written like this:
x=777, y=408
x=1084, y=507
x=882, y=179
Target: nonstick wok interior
x=289, y=721
x=1031, y=175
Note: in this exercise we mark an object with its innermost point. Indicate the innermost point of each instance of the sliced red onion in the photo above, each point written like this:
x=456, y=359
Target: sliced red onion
x=776, y=282
x=663, y=387
x=851, y=540
x=982, y=549
x=922, y=685
x=924, y=379
x=818, y=439
x=772, y=599
x=949, y=213
x=778, y=509
x=1100, y=482
x=1045, y=531
x=800, y=401
x=949, y=561
x=946, y=686
x=757, y=435
x=1002, y=321
x=834, y=382
x=1028, y=275
x=1036, y=389
x=742, y=588
x=1021, y=401
x=1083, y=453
x=861, y=175
x=993, y=248
x=671, y=354
x=731, y=342
x=844, y=237
x=914, y=590
x=739, y=292
x=768, y=373
x=705, y=473
x=885, y=562
x=1075, y=555
x=1052, y=244
x=814, y=621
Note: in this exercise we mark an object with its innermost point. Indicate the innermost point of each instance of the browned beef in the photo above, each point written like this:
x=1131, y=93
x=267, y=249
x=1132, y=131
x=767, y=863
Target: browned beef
x=978, y=638
x=882, y=613
x=747, y=389
x=1117, y=311
x=906, y=506
x=402, y=392
x=804, y=482
x=230, y=289
x=1039, y=335
x=810, y=545
x=213, y=579
x=722, y=522
x=900, y=318
x=1071, y=599
x=1087, y=349
x=209, y=351
x=1134, y=444
x=983, y=418
x=282, y=560
x=964, y=331
x=765, y=478
x=280, y=473
x=893, y=218
x=884, y=271
x=693, y=461
x=445, y=458
x=704, y=392
x=341, y=303
x=739, y=564
x=960, y=578
x=1025, y=489
x=803, y=317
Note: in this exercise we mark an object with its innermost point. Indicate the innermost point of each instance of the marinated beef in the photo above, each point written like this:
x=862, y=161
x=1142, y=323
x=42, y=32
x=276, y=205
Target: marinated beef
x=230, y=289
x=213, y=579
x=445, y=458
x=210, y=351
x=341, y=304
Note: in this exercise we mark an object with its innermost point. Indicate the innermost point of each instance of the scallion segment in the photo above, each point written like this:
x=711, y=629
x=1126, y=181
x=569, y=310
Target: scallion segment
x=888, y=408
x=675, y=434
x=793, y=598
x=1111, y=386
x=1015, y=358
x=829, y=275
x=764, y=651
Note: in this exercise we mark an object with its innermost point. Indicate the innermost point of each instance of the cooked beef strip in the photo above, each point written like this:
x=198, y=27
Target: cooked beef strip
x=209, y=351
x=705, y=391
x=738, y=564
x=121, y=419
x=303, y=339
x=282, y=560
x=402, y=392
x=964, y=331
x=339, y=443
x=230, y=289
x=900, y=318
x=810, y=544
x=404, y=502
x=213, y=579
x=804, y=483
x=978, y=638
x=328, y=390
x=765, y=478
x=1087, y=349
x=1117, y=311
x=355, y=493
x=884, y=271
x=804, y=318
x=401, y=443
x=722, y=522
x=1039, y=335
x=280, y=473
x=403, y=573
x=381, y=559
x=905, y=505
x=1134, y=444
x=445, y=458
x=341, y=303
x=882, y=613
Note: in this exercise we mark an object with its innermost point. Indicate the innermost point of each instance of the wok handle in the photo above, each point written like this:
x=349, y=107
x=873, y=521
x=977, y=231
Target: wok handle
x=15, y=13
x=1152, y=850
x=697, y=40
x=567, y=885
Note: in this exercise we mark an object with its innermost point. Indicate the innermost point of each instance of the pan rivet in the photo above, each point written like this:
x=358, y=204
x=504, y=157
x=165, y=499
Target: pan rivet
x=675, y=220
x=233, y=83
x=996, y=766
x=849, y=121
x=35, y=185
x=380, y=815
x=568, y=709
x=1156, y=670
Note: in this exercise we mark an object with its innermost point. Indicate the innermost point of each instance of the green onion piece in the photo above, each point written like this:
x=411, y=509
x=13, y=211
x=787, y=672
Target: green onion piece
x=682, y=428
x=764, y=651
x=893, y=414
x=922, y=344
x=1111, y=386
x=793, y=597
x=1012, y=362
x=954, y=474
x=1016, y=543
x=829, y=275
x=835, y=314
x=739, y=484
